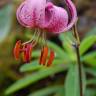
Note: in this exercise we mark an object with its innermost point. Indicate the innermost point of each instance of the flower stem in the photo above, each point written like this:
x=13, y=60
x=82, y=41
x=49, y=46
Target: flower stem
x=76, y=45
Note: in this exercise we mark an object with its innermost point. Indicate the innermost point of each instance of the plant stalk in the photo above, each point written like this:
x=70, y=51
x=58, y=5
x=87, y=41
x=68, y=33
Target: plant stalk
x=76, y=45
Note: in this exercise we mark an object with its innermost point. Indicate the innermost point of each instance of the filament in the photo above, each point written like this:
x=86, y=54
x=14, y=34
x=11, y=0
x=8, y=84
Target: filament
x=33, y=41
x=43, y=38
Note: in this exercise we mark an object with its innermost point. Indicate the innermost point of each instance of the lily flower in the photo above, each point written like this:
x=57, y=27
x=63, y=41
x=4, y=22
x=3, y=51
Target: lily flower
x=44, y=16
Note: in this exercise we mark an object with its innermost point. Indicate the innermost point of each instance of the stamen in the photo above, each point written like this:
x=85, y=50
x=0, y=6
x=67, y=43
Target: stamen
x=33, y=41
x=23, y=53
x=40, y=60
x=45, y=38
x=17, y=49
x=44, y=42
x=27, y=53
x=51, y=58
x=26, y=48
x=44, y=54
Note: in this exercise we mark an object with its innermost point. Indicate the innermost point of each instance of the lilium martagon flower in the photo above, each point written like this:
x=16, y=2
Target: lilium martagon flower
x=43, y=16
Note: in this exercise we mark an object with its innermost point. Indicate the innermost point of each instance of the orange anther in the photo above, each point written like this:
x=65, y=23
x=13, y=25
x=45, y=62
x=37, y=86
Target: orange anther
x=27, y=52
x=51, y=58
x=40, y=60
x=24, y=53
x=44, y=54
x=17, y=49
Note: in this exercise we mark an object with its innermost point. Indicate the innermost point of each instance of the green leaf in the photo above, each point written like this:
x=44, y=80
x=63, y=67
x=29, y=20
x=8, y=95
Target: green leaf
x=70, y=51
x=87, y=43
x=47, y=91
x=5, y=21
x=90, y=92
x=35, y=66
x=59, y=51
x=30, y=66
x=68, y=48
x=91, y=81
x=36, y=53
x=24, y=82
x=60, y=92
x=90, y=58
x=91, y=71
x=72, y=81
x=66, y=36
x=67, y=42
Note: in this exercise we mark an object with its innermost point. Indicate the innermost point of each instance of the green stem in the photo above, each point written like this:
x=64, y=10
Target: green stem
x=77, y=44
x=79, y=70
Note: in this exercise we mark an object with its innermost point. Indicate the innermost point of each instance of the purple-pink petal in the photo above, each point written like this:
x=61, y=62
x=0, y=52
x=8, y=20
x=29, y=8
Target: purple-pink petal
x=73, y=13
x=45, y=15
x=31, y=13
x=58, y=19
x=20, y=13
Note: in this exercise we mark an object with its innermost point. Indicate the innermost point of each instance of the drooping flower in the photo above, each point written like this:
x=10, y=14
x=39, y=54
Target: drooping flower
x=44, y=16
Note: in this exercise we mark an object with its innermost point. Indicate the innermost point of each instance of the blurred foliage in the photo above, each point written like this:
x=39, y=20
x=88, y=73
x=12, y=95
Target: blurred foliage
x=65, y=60
x=5, y=20
x=32, y=79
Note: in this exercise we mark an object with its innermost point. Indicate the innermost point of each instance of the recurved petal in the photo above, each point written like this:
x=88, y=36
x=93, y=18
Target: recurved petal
x=24, y=16
x=73, y=14
x=56, y=19
x=31, y=13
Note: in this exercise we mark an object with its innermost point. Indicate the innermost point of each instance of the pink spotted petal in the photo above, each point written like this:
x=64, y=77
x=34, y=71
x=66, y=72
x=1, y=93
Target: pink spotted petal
x=31, y=13
x=24, y=15
x=56, y=19
x=73, y=12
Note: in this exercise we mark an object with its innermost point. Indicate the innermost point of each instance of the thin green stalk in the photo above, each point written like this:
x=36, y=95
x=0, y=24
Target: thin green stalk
x=76, y=45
